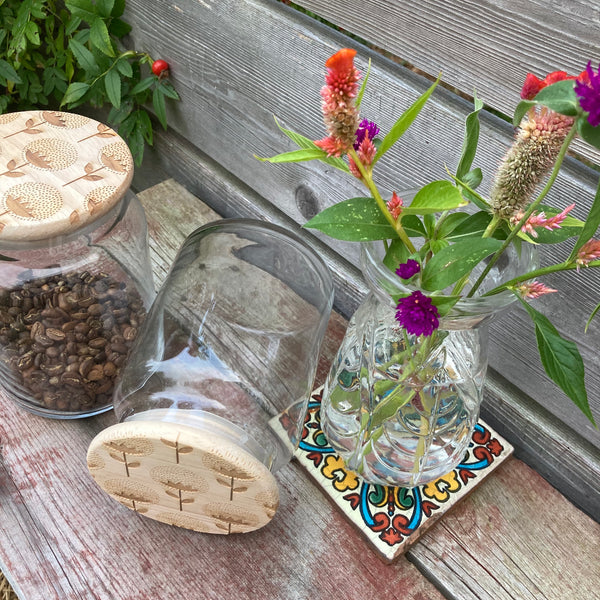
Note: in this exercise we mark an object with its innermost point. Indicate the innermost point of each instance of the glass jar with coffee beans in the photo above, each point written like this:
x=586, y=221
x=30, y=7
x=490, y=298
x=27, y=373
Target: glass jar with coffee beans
x=75, y=275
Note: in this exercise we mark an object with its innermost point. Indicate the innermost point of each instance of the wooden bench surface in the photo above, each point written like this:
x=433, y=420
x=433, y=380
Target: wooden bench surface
x=61, y=537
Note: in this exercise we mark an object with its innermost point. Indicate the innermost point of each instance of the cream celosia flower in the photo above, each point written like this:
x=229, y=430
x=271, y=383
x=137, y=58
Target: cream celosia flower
x=529, y=160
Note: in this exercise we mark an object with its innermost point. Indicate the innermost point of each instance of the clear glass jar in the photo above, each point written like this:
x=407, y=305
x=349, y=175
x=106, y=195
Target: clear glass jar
x=400, y=409
x=231, y=342
x=75, y=275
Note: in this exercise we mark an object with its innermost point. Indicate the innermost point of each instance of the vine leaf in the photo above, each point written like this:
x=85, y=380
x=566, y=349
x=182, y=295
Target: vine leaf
x=11, y=164
x=14, y=174
x=133, y=465
x=74, y=217
x=93, y=177
x=187, y=500
x=54, y=118
x=88, y=168
x=185, y=449
x=113, y=163
x=172, y=494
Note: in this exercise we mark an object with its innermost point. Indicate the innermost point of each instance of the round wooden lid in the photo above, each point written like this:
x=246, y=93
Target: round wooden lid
x=58, y=172
x=183, y=476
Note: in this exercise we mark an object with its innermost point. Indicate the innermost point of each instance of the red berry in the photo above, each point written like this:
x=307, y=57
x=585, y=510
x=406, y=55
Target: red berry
x=159, y=66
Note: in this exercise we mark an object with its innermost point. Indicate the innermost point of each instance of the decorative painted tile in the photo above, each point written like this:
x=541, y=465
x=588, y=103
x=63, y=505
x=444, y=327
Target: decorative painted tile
x=393, y=519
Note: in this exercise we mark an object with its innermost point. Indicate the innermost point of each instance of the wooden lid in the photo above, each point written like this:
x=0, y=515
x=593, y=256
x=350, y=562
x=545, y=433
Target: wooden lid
x=183, y=476
x=58, y=172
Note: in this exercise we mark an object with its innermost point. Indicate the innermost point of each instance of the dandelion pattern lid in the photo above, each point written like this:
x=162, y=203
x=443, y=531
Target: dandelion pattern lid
x=182, y=476
x=58, y=172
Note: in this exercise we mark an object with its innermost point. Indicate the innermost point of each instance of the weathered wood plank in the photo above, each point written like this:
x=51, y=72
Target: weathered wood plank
x=515, y=537
x=226, y=111
x=62, y=525
x=485, y=46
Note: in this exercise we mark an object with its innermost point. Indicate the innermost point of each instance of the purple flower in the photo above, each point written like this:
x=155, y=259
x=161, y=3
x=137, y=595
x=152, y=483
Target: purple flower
x=365, y=127
x=589, y=95
x=417, y=314
x=408, y=269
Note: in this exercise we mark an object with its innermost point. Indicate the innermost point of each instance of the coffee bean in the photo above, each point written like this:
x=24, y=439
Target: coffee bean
x=65, y=337
x=55, y=334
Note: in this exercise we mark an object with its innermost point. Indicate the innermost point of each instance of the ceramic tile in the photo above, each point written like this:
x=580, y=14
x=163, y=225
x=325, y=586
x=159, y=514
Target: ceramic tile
x=393, y=519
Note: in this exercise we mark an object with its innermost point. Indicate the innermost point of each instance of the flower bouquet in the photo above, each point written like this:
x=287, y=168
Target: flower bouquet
x=403, y=394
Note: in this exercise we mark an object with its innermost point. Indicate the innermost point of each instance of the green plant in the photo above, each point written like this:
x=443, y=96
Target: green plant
x=431, y=245
x=64, y=54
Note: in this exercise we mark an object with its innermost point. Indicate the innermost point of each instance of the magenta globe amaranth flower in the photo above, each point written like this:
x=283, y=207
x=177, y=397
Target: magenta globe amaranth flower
x=589, y=95
x=417, y=314
x=365, y=127
x=408, y=269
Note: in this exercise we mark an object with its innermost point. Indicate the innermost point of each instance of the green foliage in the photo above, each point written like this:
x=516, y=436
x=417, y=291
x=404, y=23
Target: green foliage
x=353, y=220
x=561, y=360
x=61, y=55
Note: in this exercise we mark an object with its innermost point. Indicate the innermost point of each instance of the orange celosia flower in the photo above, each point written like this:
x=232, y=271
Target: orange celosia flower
x=339, y=111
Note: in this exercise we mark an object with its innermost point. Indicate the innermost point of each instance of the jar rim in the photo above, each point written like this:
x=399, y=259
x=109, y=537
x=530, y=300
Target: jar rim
x=230, y=225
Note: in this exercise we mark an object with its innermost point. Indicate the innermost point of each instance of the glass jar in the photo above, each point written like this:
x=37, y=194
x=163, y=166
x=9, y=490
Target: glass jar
x=231, y=342
x=400, y=409
x=75, y=275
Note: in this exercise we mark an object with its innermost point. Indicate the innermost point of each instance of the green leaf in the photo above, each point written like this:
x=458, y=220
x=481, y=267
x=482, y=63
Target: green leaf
x=8, y=72
x=594, y=312
x=33, y=33
x=436, y=196
x=471, y=227
x=473, y=178
x=112, y=84
x=451, y=263
x=396, y=254
x=295, y=156
x=100, y=38
x=303, y=142
x=124, y=67
x=450, y=223
x=470, y=142
x=118, y=8
x=72, y=25
x=84, y=57
x=437, y=245
x=144, y=124
x=413, y=226
x=160, y=108
x=165, y=88
x=119, y=28
x=353, y=220
x=363, y=86
x=561, y=360
x=84, y=9
x=589, y=229
x=404, y=122
x=74, y=92
x=590, y=134
x=143, y=85
x=105, y=7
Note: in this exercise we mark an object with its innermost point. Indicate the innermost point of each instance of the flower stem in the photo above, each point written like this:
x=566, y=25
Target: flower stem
x=368, y=181
x=514, y=232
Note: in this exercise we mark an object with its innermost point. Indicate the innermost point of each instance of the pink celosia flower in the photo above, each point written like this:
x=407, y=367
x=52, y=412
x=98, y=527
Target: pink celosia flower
x=533, y=289
x=339, y=112
x=395, y=205
x=540, y=220
x=588, y=252
x=366, y=153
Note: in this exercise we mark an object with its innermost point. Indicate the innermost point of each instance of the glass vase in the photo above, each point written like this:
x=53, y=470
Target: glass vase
x=400, y=409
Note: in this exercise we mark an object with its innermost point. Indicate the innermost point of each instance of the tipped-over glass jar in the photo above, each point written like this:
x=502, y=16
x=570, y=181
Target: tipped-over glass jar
x=75, y=276
x=231, y=341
